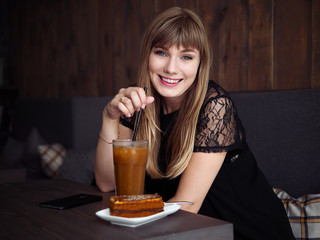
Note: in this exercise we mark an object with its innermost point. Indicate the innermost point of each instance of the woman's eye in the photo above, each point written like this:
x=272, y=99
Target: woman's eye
x=160, y=53
x=186, y=58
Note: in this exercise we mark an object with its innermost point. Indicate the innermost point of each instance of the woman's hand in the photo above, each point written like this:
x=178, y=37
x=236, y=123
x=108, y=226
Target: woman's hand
x=126, y=102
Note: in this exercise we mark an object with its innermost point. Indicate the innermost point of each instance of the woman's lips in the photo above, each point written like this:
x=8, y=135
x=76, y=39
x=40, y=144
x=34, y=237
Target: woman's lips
x=169, y=81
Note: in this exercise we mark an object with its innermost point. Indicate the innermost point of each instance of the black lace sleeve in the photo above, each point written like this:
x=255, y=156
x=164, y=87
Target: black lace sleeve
x=127, y=122
x=218, y=129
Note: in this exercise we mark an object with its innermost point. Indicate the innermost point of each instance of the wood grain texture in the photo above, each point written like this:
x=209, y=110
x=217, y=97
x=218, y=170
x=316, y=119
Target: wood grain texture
x=292, y=39
x=19, y=205
x=91, y=48
x=260, y=45
x=315, y=76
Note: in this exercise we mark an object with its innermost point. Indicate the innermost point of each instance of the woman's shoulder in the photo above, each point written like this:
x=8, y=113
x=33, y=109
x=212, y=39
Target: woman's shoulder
x=215, y=91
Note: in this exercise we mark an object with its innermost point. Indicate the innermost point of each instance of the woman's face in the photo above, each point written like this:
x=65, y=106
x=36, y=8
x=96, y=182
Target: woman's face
x=173, y=70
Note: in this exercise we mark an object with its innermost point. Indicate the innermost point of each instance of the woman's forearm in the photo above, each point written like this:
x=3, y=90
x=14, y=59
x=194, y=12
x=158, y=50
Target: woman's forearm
x=104, y=169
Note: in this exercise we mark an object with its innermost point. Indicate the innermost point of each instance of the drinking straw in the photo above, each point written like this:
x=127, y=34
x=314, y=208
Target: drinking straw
x=138, y=120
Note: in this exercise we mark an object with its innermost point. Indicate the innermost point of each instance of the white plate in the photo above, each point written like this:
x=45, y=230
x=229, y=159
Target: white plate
x=135, y=222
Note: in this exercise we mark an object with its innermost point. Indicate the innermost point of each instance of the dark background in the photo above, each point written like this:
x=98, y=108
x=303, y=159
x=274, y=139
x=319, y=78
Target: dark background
x=67, y=48
x=61, y=49
x=89, y=48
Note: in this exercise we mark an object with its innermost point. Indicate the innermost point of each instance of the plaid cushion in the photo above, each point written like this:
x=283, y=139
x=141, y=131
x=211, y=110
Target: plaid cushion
x=303, y=214
x=51, y=158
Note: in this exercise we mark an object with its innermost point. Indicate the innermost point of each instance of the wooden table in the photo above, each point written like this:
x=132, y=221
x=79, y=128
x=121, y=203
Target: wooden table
x=22, y=218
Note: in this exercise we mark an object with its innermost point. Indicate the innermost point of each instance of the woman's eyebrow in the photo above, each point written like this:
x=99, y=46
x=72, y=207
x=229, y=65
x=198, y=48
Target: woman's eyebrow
x=163, y=48
x=185, y=50
x=189, y=50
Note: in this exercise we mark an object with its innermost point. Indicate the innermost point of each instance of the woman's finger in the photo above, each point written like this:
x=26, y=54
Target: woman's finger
x=124, y=110
x=127, y=103
x=136, y=100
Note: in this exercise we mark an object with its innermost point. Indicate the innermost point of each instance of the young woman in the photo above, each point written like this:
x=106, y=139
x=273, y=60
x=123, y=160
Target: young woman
x=197, y=145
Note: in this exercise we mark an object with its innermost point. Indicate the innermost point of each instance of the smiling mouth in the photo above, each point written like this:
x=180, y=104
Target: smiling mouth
x=171, y=81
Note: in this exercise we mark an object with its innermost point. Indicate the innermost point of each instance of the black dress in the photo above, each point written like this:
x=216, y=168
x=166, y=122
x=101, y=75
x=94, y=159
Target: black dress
x=240, y=193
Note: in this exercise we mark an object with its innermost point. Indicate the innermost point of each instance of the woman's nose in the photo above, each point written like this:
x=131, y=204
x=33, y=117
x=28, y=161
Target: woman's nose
x=171, y=66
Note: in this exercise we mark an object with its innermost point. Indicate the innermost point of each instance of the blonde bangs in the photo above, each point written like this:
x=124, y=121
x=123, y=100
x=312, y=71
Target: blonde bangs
x=179, y=31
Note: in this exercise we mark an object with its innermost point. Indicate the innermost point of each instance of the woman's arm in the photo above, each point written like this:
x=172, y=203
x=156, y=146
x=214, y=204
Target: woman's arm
x=197, y=179
x=126, y=102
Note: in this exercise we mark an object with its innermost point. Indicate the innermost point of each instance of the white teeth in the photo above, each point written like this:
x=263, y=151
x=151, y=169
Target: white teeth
x=169, y=80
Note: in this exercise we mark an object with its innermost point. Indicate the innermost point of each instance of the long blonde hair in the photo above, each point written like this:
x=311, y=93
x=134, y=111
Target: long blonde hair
x=184, y=27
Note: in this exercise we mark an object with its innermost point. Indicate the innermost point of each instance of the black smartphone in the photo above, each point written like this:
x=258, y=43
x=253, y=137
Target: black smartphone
x=71, y=201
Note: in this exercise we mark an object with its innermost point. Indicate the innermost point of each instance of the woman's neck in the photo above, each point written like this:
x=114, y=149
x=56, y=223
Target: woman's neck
x=170, y=105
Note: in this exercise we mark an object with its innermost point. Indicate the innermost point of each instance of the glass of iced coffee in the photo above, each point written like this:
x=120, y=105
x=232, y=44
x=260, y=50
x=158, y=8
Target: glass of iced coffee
x=129, y=159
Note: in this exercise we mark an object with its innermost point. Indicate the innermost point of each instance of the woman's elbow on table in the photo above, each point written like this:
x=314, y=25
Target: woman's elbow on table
x=104, y=186
x=190, y=208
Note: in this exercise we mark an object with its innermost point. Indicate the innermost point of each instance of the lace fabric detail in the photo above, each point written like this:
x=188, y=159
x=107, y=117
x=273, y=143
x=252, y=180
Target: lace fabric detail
x=127, y=122
x=219, y=129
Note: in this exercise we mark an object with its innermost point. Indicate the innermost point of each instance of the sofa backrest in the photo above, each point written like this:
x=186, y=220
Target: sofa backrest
x=72, y=122
x=283, y=132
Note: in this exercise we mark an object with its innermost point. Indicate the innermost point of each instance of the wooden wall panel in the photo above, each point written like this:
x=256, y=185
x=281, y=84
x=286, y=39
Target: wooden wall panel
x=213, y=15
x=63, y=48
x=292, y=44
x=120, y=76
x=260, y=45
x=104, y=43
x=233, y=51
x=315, y=76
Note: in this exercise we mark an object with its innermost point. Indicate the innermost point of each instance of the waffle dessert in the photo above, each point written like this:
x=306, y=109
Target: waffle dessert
x=132, y=206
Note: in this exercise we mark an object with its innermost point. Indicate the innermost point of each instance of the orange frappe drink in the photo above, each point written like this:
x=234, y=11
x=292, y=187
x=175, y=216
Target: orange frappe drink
x=130, y=159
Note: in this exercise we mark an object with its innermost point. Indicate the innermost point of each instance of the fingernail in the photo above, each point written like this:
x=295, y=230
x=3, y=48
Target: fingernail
x=128, y=115
x=143, y=106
